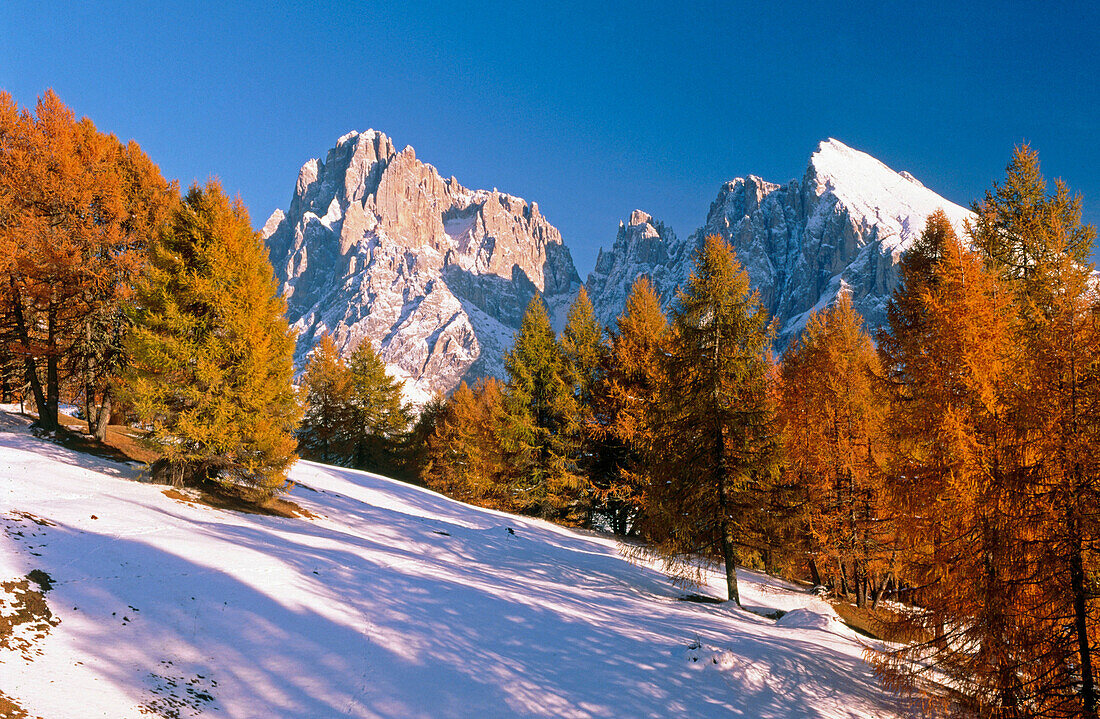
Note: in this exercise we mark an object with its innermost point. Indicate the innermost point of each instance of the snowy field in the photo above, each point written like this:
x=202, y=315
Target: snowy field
x=393, y=602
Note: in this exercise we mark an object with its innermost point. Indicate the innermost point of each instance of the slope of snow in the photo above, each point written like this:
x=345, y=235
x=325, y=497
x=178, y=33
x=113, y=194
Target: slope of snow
x=393, y=602
x=895, y=201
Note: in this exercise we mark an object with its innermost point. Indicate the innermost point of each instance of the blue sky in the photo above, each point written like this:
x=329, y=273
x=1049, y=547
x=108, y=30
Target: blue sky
x=589, y=109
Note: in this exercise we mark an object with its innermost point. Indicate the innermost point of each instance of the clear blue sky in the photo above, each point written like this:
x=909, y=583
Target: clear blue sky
x=591, y=110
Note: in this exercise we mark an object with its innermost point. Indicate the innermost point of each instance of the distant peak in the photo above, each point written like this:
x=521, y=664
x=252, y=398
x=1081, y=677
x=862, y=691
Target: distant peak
x=637, y=217
x=355, y=134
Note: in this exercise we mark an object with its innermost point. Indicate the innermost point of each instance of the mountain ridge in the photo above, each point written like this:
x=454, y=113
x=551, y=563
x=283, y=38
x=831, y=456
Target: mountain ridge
x=377, y=246
x=845, y=224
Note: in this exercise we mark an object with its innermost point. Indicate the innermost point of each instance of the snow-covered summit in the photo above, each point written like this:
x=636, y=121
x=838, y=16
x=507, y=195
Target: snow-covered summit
x=846, y=224
x=871, y=189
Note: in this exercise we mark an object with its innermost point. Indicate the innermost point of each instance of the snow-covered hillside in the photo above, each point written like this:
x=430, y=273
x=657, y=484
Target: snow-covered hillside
x=393, y=602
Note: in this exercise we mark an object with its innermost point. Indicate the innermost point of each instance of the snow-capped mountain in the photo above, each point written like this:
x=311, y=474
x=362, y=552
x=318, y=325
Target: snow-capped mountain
x=378, y=246
x=845, y=224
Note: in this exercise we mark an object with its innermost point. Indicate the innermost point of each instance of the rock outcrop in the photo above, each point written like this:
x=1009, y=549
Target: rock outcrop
x=377, y=246
x=844, y=225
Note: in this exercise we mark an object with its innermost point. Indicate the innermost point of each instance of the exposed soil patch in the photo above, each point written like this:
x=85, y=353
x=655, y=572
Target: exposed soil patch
x=122, y=443
x=9, y=709
x=25, y=618
x=239, y=499
x=175, y=695
x=880, y=623
x=33, y=518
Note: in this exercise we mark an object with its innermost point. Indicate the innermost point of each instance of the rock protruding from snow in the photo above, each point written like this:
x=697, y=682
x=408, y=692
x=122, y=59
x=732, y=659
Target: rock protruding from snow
x=845, y=224
x=821, y=618
x=378, y=247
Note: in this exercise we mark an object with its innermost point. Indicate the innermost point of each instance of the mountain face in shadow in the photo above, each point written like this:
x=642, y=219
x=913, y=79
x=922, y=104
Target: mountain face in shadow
x=843, y=226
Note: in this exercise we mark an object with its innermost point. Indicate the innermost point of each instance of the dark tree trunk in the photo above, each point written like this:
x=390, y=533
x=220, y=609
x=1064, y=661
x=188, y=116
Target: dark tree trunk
x=48, y=421
x=815, y=574
x=1080, y=623
x=23, y=335
x=103, y=417
x=729, y=551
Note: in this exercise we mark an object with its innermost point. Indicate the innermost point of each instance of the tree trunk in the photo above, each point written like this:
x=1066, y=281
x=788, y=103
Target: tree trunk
x=22, y=334
x=815, y=574
x=49, y=421
x=1080, y=623
x=729, y=552
x=103, y=417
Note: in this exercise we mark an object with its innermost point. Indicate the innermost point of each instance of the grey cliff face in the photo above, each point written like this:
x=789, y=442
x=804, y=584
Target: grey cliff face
x=844, y=226
x=377, y=246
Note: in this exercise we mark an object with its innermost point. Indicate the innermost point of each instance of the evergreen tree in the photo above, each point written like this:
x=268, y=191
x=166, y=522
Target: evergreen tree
x=380, y=417
x=623, y=400
x=832, y=421
x=715, y=439
x=1036, y=240
x=211, y=350
x=327, y=428
x=582, y=343
x=415, y=453
x=540, y=427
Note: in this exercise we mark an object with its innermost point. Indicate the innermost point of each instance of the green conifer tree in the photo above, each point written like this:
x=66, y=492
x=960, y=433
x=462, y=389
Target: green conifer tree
x=328, y=425
x=380, y=416
x=715, y=441
x=540, y=427
x=211, y=351
x=582, y=342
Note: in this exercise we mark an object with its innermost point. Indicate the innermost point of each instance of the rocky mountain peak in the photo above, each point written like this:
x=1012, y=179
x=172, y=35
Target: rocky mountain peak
x=844, y=225
x=377, y=246
x=641, y=247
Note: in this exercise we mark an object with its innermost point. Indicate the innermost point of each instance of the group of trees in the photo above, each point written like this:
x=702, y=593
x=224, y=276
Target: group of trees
x=116, y=292
x=354, y=411
x=952, y=462
x=992, y=371
x=586, y=422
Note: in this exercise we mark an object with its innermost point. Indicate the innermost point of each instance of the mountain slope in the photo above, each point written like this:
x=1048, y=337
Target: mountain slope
x=845, y=224
x=393, y=602
x=377, y=246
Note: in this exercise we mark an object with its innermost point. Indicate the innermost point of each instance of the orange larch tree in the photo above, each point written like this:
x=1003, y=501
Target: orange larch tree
x=832, y=419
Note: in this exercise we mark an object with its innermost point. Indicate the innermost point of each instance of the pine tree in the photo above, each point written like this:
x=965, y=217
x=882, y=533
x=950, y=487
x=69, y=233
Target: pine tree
x=715, y=440
x=416, y=452
x=380, y=416
x=465, y=457
x=211, y=350
x=582, y=343
x=327, y=428
x=623, y=400
x=832, y=424
x=540, y=427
